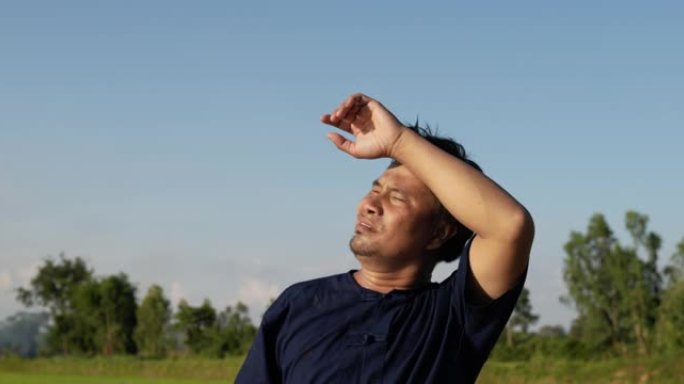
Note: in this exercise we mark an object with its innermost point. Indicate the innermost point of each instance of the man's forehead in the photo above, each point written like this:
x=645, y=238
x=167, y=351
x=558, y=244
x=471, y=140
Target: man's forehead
x=402, y=178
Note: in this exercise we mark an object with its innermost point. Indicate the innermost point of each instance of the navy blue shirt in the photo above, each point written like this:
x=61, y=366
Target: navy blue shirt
x=331, y=330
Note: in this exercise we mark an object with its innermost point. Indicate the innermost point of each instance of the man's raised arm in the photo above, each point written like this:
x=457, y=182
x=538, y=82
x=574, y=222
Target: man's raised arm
x=505, y=230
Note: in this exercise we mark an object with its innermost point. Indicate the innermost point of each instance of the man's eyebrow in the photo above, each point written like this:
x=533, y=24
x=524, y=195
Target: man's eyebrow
x=376, y=183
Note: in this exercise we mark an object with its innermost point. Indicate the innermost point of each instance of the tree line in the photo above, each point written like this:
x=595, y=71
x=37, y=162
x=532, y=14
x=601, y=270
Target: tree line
x=89, y=315
x=626, y=304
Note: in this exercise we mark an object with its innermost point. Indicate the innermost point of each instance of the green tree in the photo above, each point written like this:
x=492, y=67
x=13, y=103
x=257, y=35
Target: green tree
x=207, y=333
x=106, y=308
x=671, y=312
x=235, y=330
x=198, y=324
x=521, y=318
x=551, y=331
x=675, y=270
x=588, y=272
x=53, y=287
x=615, y=292
x=671, y=319
x=645, y=297
x=154, y=314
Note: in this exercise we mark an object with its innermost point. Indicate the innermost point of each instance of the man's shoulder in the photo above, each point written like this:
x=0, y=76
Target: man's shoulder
x=335, y=282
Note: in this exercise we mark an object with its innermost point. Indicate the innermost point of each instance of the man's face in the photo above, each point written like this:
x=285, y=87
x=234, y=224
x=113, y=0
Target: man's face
x=396, y=220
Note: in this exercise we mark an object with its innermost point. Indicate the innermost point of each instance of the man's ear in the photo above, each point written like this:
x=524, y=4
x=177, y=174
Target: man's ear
x=443, y=232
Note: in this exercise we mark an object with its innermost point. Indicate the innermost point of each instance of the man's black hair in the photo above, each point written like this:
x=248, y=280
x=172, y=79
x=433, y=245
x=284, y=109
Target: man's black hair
x=453, y=247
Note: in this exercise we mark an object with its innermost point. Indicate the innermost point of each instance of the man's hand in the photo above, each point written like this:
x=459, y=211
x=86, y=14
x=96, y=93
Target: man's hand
x=376, y=131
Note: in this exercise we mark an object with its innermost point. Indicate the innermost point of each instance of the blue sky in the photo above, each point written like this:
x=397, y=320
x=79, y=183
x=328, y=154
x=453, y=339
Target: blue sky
x=179, y=142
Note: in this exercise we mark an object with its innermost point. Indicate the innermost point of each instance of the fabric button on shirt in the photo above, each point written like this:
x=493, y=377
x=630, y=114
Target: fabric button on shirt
x=331, y=330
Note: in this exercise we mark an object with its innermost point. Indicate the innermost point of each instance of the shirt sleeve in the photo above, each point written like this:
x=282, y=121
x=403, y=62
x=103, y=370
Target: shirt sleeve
x=482, y=323
x=261, y=365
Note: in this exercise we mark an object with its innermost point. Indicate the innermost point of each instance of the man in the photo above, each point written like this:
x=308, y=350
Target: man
x=386, y=322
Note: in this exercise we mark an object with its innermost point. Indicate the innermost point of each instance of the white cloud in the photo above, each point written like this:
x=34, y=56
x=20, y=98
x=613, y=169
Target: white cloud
x=6, y=281
x=26, y=273
x=257, y=293
x=177, y=293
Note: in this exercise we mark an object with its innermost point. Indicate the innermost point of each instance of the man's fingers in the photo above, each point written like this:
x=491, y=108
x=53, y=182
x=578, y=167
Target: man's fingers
x=356, y=104
x=343, y=125
x=341, y=111
x=347, y=115
x=349, y=108
x=341, y=142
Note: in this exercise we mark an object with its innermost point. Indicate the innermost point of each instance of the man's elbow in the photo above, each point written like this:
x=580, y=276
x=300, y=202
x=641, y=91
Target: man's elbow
x=520, y=227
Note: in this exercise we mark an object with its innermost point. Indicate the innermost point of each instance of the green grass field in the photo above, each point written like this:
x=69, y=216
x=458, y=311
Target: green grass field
x=128, y=370
x=28, y=378
x=118, y=370
x=660, y=369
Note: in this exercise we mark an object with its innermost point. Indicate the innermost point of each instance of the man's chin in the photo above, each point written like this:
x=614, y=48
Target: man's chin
x=361, y=248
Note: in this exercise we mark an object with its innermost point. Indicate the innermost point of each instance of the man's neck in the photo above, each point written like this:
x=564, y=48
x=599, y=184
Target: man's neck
x=385, y=281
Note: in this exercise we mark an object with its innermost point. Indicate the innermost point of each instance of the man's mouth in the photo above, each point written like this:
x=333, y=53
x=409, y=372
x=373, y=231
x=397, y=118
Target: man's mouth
x=363, y=227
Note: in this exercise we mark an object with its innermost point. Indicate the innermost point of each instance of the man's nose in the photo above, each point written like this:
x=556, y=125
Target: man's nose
x=373, y=205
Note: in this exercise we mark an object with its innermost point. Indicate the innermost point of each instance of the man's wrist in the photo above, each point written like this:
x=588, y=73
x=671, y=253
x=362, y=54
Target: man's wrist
x=401, y=142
